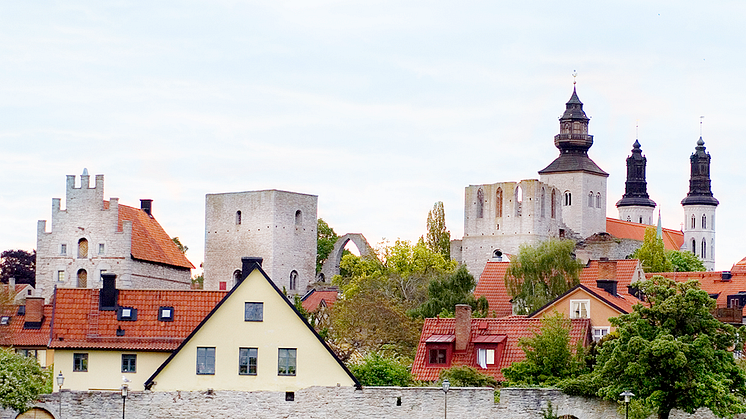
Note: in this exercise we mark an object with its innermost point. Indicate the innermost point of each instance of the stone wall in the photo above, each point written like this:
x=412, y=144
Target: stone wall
x=333, y=403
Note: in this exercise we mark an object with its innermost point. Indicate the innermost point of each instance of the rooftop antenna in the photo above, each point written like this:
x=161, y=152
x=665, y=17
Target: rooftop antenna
x=701, y=119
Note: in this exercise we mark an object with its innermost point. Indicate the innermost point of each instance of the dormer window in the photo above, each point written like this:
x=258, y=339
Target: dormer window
x=166, y=314
x=127, y=314
x=579, y=309
x=4, y=321
x=439, y=348
x=485, y=357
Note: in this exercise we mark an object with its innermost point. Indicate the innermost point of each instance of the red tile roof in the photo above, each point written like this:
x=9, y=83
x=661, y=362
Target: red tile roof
x=492, y=285
x=15, y=335
x=509, y=329
x=672, y=239
x=739, y=266
x=78, y=323
x=149, y=241
x=314, y=299
x=712, y=282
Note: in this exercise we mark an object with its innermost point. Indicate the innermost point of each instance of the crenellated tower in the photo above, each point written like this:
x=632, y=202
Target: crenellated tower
x=699, y=209
x=636, y=205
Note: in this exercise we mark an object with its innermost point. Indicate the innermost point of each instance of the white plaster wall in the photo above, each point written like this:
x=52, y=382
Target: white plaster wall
x=698, y=233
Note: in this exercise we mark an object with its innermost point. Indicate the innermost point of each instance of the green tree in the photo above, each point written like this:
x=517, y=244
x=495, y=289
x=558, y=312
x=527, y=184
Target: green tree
x=377, y=369
x=438, y=238
x=18, y=264
x=466, y=376
x=21, y=380
x=539, y=274
x=443, y=295
x=326, y=238
x=549, y=355
x=685, y=261
x=652, y=253
x=672, y=353
x=177, y=242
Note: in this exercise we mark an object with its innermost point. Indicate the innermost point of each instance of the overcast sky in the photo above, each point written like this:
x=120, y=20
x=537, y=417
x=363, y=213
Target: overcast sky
x=381, y=108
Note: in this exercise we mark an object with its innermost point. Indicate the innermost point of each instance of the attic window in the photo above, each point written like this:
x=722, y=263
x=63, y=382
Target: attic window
x=21, y=310
x=127, y=314
x=166, y=314
x=254, y=312
x=4, y=321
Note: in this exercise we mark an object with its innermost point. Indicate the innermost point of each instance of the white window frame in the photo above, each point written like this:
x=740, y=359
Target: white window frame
x=604, y=330
x=485, y=357
x=576, y=305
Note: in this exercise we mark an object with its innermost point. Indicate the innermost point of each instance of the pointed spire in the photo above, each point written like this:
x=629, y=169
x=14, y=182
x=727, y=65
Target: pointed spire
x=659, y=232
x=700, y=191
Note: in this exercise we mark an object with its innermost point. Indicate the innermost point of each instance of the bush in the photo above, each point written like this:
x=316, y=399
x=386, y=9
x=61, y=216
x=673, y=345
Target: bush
x=464, y=376
x=21, y=380
x=379, y=370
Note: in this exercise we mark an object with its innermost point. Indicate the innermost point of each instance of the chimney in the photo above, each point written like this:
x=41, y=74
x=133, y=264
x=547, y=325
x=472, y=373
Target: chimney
x=247, y=265
x=108, y=295
x=12, y=286
x=606, y=269
x=34, y=312
x=725, y=276
x=463, y=326
x=147, y=206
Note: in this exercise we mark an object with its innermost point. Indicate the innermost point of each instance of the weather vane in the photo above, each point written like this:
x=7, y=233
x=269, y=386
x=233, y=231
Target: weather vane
x=637, y=129
x=574, y=77
x=701, y=119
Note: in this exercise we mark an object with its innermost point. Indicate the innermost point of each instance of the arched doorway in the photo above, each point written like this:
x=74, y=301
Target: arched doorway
x=35, y=413
x=82, y=278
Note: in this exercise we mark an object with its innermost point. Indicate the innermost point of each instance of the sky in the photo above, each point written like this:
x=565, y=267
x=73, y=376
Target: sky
x=381, y=108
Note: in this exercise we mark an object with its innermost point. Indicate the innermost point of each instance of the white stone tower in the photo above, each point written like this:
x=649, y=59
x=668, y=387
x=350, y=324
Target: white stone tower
x=278, y=226
x=699, y=209
x=580, y=181
x=636, y=205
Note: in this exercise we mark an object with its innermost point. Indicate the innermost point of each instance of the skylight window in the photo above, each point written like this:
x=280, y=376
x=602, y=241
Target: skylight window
x=4, y=321
x=127, y=314
x=166, y=314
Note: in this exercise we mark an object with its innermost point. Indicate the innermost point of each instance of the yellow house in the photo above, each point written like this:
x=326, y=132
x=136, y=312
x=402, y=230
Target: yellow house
x=254, y=339
x=101, y=336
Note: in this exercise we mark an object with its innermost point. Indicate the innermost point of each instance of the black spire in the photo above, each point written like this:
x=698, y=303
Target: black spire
x=573, y=141
x=636, y=188
x=700, y=192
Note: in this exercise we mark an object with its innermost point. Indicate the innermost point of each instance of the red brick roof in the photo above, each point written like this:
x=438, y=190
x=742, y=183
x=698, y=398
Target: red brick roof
x=672, y=239
x=512, y=328
x=313, y=300
x=15, y=335
x=739, y=266
x=149, y=241
x=712, y=282
x=492, y=285
x=78, y=323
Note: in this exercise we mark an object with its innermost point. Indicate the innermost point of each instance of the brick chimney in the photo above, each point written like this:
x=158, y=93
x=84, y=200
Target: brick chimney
x=147, y=206
x=34, y=312
x=463, y=326
x=108, y=295
x=247, y=265
x=607, y=276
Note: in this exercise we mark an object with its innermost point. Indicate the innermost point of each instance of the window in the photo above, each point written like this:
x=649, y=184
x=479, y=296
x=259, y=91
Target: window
x=704, y=249
x=206, y=361
x=568, y=198
x=289, y=396
x=704, y=221
x=4, y=321
x=82, y=278
x=166, y=314
x=129, y=363
x=298, y=218
x=554, y=202
x=254, y=312
x=438, y=356
x=31, y=353
x=598, y=199
x=101, y=248
x=286, y=361
x=499, y=203
x=640, y=220
x=543, y=198
x=247, y=361
x=518, y=200
x=600, y=332
x=629, y=218
x=238, y=217
x=694, y=221
x=293, y=280
x=63, y=249
x=127, y=314
x=236, y=276
x=590, y=199
x=480, y=203
x=82, y=248
x=222, y=286
x=61, y=276
x=80, y=362
x=485, y=357
x=579, y=309
x=694, y=246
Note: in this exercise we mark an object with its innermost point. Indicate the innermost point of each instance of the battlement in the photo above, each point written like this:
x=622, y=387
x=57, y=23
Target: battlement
x=84, y=197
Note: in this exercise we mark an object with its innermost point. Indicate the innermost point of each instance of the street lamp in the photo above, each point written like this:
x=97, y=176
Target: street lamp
x=446, y=386
x=60, y=381
x=125, y=390
x=627, y=395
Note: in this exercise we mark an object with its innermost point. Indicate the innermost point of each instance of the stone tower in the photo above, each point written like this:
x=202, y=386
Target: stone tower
x=581, y=182
x=699, y=209
x=636, y=205
x=278, y=226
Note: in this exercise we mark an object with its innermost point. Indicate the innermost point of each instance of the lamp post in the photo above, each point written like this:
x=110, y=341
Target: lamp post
x=446, y=386
x=60, y=381
x=125, y=389
x=627, y=395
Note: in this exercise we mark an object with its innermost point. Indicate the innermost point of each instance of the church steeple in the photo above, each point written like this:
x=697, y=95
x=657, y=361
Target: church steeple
x=636, y=187
x=700, y=192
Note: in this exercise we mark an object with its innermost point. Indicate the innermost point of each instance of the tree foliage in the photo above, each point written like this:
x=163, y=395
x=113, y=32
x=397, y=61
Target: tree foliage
x=377, y=369
x=438, y=238
x=652, y=253
x=177, y=242
x=21, y=380
x=672, y=353
x=685, y=261
x=444, y=293
x=466, y=376
x=549, y=355
x=539, y=274
x=326, y=238
x=18, y=264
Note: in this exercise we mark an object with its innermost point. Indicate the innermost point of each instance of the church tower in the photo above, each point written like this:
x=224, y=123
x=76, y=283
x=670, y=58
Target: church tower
x=636, y=205
x=581, y=182
x=699, y=209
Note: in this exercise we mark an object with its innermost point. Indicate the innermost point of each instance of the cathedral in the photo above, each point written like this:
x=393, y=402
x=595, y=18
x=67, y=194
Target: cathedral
x=569, y=201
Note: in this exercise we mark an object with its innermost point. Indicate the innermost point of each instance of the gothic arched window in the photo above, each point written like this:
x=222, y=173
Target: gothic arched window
x=238, y=217
x=82, y=248
x=590, y=199
x=298, y=218
x=480, y=203
x=704, y=221
x=554, y=203
x=293, y=280
x=543, y=202
x=568, y=198
x=694, y=222
x=518, y=200
x=694, y=246
x=82, y=278
x=704, y=249
x=499, y=203
x=598, y=199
